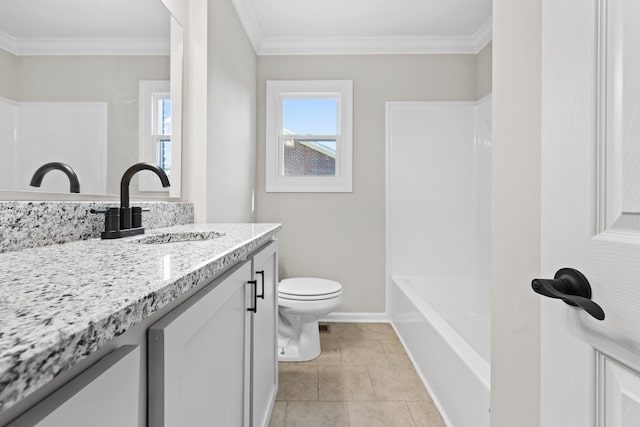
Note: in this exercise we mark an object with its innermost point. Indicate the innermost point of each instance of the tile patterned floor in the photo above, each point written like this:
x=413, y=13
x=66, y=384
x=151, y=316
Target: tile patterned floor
x=363, y=378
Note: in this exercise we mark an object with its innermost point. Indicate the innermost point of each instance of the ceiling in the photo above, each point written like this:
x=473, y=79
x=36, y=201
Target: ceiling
x=273, y=26
x=39, y=26
x=366, y=26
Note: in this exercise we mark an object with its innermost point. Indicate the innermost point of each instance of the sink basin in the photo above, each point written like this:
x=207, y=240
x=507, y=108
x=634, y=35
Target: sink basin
x=184, y=236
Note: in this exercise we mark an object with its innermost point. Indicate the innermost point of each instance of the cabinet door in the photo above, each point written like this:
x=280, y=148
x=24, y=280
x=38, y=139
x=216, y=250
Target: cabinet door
x=264, y=359
x=90, y=398
x=198, y=372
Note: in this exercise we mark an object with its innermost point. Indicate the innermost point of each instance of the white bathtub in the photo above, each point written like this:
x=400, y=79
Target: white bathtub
x=444, y=326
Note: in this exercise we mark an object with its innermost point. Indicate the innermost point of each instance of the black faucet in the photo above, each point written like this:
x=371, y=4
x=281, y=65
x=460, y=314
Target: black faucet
x=131, y=217
x=128, y=174
x=74, y=184
x=125, y=220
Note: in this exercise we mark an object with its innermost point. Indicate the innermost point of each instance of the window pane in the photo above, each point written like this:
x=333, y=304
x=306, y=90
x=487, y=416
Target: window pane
x=164, y=155
x=310, y=116
x=309, y=157
x=163, y=116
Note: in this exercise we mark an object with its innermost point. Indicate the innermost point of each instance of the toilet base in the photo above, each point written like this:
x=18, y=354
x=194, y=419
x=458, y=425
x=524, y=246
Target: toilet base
x=305, y=301
x=299, y=344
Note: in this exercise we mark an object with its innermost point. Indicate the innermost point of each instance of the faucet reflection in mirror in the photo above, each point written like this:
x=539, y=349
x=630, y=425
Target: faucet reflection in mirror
x=74, y=184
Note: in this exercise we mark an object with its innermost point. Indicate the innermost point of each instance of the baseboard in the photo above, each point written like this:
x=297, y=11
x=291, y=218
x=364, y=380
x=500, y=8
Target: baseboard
x=356, y=318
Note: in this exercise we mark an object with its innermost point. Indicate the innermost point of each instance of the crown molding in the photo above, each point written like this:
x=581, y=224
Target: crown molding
x=484, y=35
x=83, y=46
x=249, y=21
x=366, y=45
x=265, y=46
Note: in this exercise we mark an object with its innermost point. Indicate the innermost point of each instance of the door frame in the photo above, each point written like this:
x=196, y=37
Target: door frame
x=516, y=213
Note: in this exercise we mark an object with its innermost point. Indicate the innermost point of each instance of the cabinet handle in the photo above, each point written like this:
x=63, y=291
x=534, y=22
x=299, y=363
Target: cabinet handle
x=255, y=296
x=261, y=273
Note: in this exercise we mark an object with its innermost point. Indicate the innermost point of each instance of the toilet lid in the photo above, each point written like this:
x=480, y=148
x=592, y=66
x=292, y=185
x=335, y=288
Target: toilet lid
x=308, y=287
x=289, y=297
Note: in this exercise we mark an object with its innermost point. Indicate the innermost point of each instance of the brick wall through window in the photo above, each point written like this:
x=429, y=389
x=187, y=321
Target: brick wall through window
x=300, y=159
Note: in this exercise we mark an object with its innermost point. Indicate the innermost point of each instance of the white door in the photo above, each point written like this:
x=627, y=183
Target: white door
x=591, y=210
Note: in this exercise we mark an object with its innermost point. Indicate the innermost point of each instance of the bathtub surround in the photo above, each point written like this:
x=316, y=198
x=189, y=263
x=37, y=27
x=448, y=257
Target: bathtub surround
x=67, y=301
x=439, y=154
x=31, y=224
x=76, y=133
x=438, y=265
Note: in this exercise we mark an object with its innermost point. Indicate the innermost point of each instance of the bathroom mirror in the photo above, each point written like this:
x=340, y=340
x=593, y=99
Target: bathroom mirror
x=95, y=84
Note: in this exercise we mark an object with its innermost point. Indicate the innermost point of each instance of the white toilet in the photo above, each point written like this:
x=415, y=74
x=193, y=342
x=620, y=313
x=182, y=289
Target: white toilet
x=302, y=301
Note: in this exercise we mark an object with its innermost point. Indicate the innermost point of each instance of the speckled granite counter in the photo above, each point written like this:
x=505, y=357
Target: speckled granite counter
x=60, y=303
x=26, y=225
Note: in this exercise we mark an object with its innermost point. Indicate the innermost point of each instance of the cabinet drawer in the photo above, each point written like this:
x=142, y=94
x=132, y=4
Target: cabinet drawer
x=104, y=395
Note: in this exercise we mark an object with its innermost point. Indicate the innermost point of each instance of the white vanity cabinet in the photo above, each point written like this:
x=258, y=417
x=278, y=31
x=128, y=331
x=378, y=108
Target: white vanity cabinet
x=104, y=395
x=198, y=359
x=182, y=335
x=212, y=360
x=264, y=358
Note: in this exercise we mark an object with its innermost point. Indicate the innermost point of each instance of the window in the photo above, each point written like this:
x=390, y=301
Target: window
x=309, y=135
x=154, y=131
x=161, y=130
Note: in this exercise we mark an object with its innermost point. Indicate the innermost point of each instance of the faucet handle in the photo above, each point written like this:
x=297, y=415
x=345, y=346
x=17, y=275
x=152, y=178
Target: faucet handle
x=136, y=216
x=111, y=218
x=113, y=227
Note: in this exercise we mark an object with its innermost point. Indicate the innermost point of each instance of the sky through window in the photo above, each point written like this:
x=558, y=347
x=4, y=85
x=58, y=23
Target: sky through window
x=310, y=116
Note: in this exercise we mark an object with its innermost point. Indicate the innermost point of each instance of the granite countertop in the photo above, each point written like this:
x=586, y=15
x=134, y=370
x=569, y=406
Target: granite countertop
x=60, y=303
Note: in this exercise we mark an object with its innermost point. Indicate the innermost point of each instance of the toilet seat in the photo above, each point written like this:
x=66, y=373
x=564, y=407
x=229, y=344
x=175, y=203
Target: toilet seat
x=308, y=289
x=291, y=297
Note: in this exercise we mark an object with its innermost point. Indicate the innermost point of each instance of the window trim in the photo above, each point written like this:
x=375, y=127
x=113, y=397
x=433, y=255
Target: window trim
x=275, y=180
x=147, y=138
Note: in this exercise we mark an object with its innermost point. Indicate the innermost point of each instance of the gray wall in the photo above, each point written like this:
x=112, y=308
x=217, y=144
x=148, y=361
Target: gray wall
x=483, y=71
x=231, y=111
x=9, y=73
x=112, y=79
x=341, y=236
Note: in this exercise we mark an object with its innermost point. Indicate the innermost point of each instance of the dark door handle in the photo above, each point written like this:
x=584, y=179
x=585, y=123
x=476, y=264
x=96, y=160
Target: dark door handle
x=570, y=286
x=255, y=296
x=261, y=273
